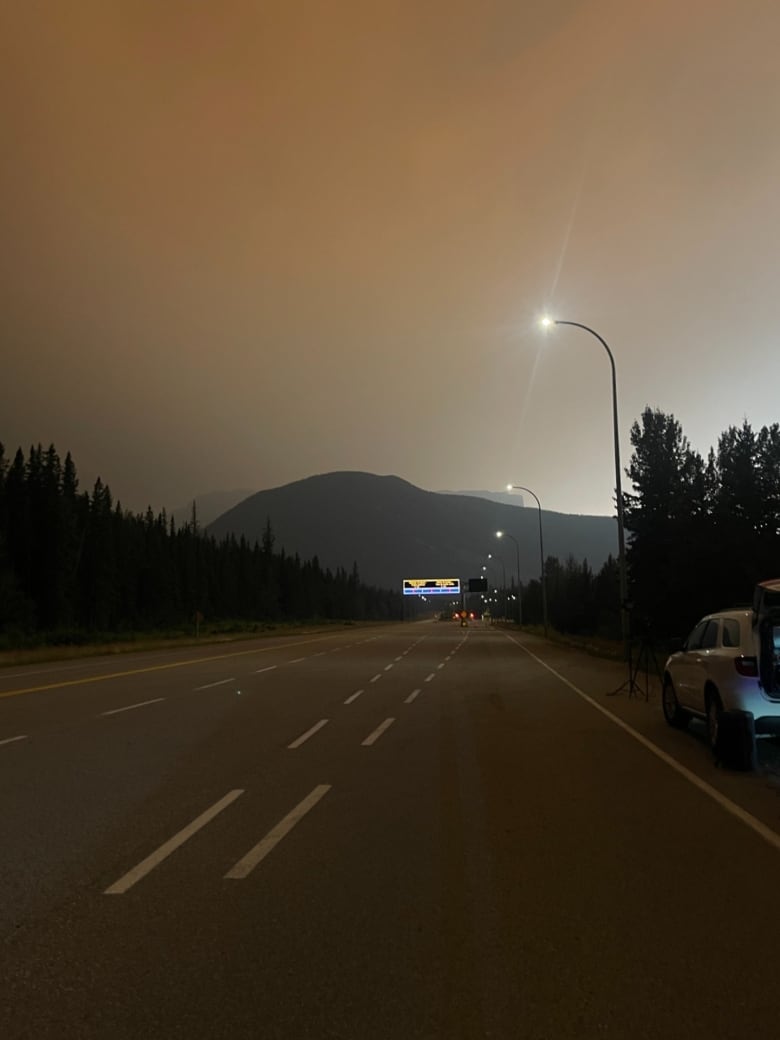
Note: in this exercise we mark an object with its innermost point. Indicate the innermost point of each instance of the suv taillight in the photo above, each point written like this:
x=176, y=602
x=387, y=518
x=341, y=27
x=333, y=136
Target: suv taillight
x=747, y=666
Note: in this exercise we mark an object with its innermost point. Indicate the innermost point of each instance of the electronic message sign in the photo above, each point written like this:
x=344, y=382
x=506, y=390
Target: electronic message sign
x=431, y=586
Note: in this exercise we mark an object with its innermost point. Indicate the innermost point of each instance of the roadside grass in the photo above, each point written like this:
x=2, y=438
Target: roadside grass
x=76, y=645
x=597, y=646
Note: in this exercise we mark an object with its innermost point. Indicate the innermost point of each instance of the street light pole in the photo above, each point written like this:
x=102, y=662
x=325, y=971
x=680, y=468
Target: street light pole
x=624, y=620
x=505, y=534
x=519, y=487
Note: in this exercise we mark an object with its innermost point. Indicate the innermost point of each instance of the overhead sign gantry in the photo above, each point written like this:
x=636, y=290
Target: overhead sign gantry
x=431, y=586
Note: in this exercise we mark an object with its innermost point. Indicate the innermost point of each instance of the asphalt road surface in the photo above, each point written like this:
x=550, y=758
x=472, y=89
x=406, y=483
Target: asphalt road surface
x=410, y=831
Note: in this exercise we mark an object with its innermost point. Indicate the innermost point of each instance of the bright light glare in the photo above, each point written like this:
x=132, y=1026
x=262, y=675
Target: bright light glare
x=546, y=322
x=499, y=534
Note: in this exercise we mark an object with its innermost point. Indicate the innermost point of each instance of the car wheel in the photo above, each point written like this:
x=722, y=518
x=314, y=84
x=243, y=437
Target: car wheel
x=673, y=713
x=714, y=708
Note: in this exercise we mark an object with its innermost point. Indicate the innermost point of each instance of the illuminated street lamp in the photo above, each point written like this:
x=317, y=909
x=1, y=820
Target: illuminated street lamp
x=519, y=487
x=505, y=534
x=624, y=625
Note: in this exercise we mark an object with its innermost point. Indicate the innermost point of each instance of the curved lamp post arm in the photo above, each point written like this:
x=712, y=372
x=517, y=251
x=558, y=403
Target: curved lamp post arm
x=618, y=483
x=520, y=487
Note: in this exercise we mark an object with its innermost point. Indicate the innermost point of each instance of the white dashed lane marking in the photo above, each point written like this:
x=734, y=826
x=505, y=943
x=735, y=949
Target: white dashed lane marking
x=372, y=738
x=309, y=733
x=220, y=682
x=12, y=740
x=129, y=707
x=146, y=865
x=248, y=863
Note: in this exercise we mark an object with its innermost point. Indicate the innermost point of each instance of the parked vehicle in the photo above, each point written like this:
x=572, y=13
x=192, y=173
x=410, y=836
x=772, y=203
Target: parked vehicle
x=729, y=663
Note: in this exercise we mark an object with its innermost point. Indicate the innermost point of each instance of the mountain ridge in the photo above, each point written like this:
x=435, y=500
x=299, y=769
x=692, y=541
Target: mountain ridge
x=394, y=530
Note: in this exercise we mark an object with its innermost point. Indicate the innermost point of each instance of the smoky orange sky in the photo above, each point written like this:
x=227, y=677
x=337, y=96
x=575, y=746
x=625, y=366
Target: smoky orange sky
x=243, y=243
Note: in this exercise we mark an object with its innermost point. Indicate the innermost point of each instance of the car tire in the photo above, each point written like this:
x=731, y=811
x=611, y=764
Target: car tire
x=673, y=713
x=714, y=708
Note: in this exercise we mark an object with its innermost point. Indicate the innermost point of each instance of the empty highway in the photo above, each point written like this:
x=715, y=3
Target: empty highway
x=403, y=831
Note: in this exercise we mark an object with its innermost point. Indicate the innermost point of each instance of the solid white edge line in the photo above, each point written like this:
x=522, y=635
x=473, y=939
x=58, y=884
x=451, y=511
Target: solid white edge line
x=12, y=740
x=373, y=737
x=248, y=863
x=221, y=682
x=354, y=696
x=270, y=668
x=305, y=736
x=770, y=836
x=411, y=696
x=146, y=865
x=129, y=707
x=431, y=676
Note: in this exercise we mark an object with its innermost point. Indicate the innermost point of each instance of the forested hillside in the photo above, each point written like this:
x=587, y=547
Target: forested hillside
x=700, y=533
x=74, y=563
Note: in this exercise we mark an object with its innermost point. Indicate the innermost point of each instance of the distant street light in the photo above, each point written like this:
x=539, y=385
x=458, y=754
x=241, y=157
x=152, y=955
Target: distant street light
x=505, y=534
x=624, y=619
x=520, y=487
x=495, y=556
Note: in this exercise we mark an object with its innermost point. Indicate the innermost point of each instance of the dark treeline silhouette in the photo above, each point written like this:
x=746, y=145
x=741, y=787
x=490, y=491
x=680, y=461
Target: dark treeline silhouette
x=702, y=534
x=579, y=601
x=76, y=563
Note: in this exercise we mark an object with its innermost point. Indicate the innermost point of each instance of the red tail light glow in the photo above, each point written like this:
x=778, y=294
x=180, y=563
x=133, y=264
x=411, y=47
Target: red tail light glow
x=747, y=666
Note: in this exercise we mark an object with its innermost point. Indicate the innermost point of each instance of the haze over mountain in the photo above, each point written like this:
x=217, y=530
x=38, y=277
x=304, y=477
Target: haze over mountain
x=213, y=504
x=394, y=530
x=513, y=498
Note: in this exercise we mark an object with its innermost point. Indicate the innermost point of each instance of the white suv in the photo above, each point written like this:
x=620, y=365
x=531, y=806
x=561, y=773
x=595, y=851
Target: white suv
x=729, y=662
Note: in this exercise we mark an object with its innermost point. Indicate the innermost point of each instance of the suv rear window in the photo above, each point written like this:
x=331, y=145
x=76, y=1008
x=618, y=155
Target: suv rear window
x=710, y=637
x=730, y=632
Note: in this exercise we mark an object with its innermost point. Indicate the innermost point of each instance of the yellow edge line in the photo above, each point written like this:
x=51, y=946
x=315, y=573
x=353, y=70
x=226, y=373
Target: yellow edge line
x=152, y=668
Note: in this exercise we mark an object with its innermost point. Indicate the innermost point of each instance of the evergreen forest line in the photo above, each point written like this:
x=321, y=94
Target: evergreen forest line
x=75, y=564
x=700, y=535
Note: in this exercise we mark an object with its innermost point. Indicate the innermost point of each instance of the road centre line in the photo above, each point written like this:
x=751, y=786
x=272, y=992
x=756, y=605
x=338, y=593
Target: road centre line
x=220, y=682
x=440, y=666
x=270, y=668
x=129, y=707
x=388, y=667
x=376, y=677
x=353, y=697
x=372, y=738
x=399, y=657
x=146, y=865
x=248, y=863
x=431, y=676
x=297, y=660
x=305, y=736
x=12, y=740
x=85, y=680
x=412, y=696
x=761, y=829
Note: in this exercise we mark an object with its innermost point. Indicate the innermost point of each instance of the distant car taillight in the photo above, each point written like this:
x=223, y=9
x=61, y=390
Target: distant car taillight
x=747, y=666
